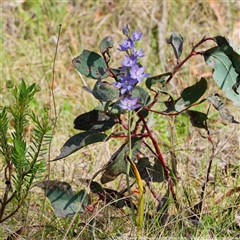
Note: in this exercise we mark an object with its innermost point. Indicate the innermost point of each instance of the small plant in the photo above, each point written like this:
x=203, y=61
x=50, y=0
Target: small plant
x=24, y=163
x=125, y=106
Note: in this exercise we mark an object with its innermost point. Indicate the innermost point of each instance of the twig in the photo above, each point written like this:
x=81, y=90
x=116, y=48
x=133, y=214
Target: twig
x=192, y=53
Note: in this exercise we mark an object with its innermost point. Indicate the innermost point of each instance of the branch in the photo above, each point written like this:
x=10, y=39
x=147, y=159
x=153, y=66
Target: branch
x=192, y=53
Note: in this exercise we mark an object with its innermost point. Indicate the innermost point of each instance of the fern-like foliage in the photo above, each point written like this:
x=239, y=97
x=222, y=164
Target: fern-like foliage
x=5, y=149
x=25, y=161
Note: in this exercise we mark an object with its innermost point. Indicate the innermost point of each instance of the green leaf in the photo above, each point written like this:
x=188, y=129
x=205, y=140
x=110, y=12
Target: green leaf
x=91, y=65
x=190, y=95
x=104, y=91
x=117, y=163
x=157, y=79
x=94, y=120
x=224, y=73
x=231, y=50
x=224, y=112
x=144, y=99
x=105, y=44
x=198, y=119
x=79, y=141
x=64, y=202
x=176, y=40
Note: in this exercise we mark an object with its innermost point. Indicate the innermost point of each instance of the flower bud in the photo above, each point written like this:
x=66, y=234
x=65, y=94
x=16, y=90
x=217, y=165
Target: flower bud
x=125, y=31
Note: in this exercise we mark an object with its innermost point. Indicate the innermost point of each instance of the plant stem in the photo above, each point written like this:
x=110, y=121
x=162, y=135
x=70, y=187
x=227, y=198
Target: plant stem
x=160, y=157
x=141, y=198
x=128, y=165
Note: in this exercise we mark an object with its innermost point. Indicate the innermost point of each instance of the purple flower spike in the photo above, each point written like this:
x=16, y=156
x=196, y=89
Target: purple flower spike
x=128, y=103
x=130, y=71
x=137, y=73
x=136, y=36
x=127, y=44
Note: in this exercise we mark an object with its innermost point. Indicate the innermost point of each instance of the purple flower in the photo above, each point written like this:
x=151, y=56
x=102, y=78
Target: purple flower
x=137, y=73
x=130, y=71
x=136, y=36
x=138, y=53
x=126, y=84
x=127, y=44
x=129, y=61
x=128, y=103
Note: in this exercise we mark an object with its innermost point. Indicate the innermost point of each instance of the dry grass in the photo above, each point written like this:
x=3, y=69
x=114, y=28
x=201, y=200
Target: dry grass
x=29, y=39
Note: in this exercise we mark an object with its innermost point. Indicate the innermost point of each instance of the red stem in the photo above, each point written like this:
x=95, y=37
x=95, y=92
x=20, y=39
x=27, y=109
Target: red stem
x=168, y=177
x=108, y=68
x=192, y=53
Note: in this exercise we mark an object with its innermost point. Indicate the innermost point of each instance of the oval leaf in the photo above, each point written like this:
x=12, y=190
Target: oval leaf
x=176, y=40
x=104, y=91
x=79, y=141
x=64, y=202
x=94, y=120
x=198, y=119
x=190, y=95
x=91, y=65
x=158, y=79
x=224, y=73
x=231, y=50
x=105, y=44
